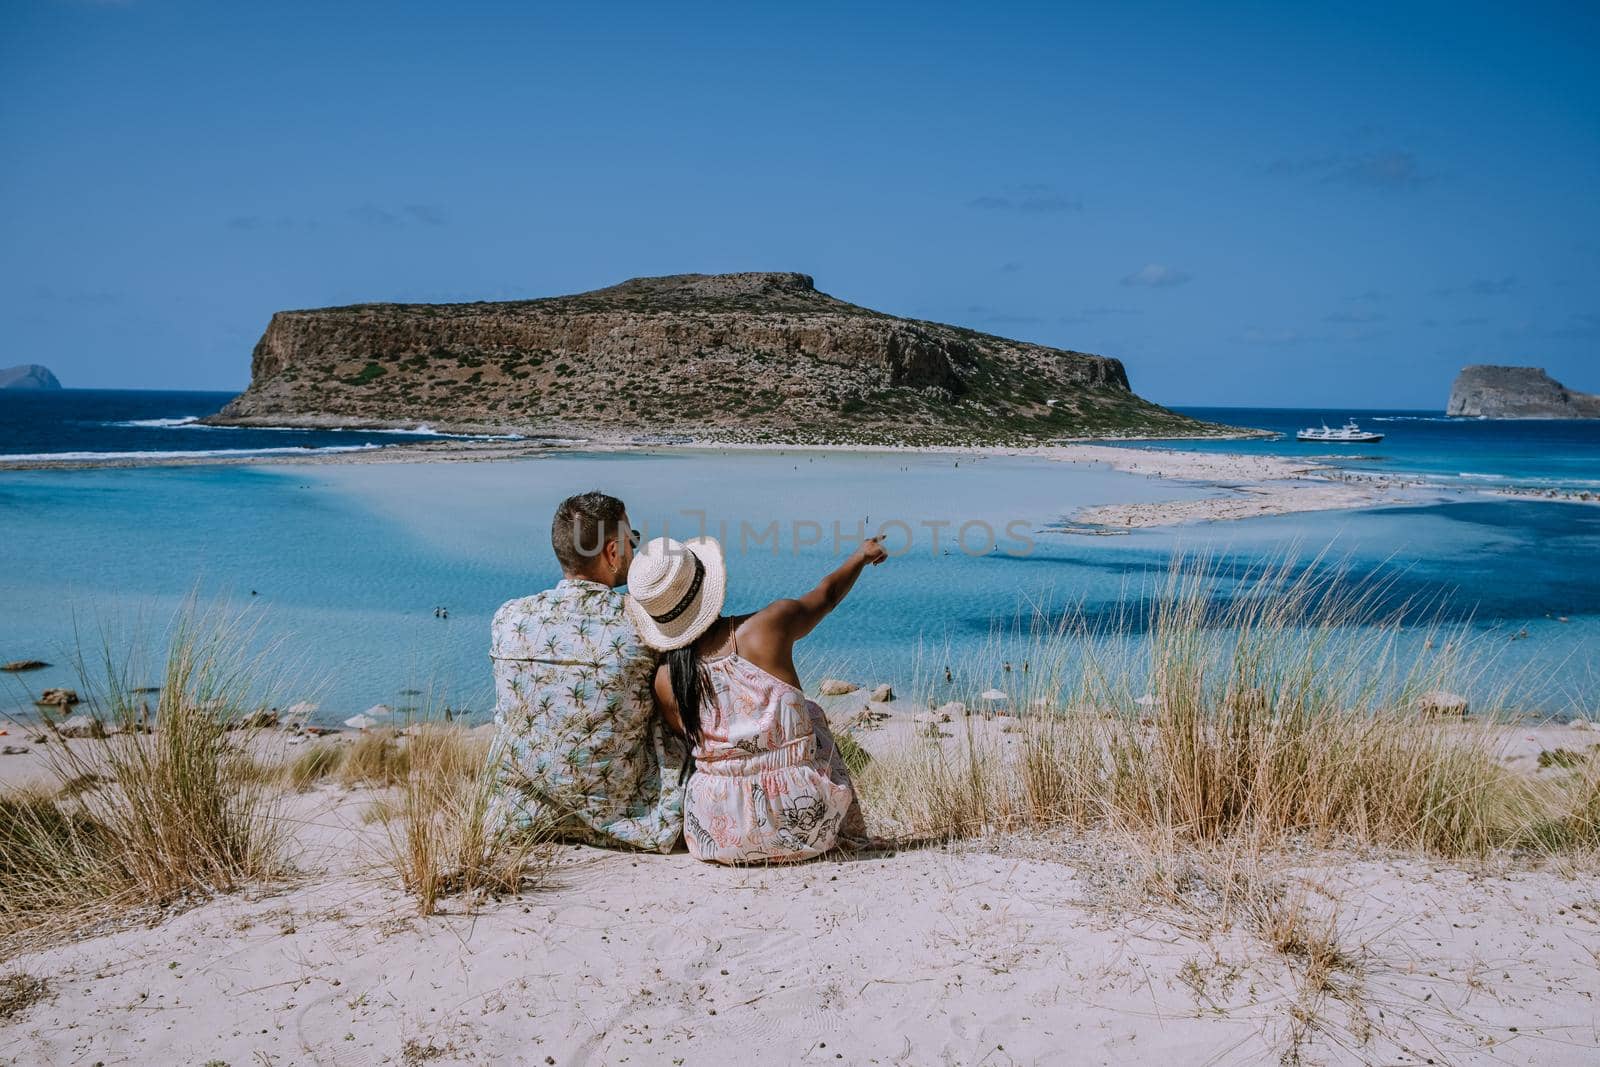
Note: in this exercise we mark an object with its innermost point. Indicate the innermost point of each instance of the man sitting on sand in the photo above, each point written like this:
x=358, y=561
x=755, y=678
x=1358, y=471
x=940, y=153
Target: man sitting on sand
x=582, y=753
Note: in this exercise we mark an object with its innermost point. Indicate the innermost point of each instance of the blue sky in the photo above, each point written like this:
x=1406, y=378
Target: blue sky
x=1247, y=203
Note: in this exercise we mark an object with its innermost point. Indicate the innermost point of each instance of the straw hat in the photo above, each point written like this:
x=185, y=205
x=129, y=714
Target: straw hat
x=675, y=590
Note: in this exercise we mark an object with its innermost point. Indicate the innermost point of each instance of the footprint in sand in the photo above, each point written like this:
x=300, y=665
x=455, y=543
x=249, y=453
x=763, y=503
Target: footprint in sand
x=798, y=1011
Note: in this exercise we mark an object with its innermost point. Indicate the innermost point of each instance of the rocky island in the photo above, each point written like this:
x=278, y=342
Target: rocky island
x=28, y=376
x=1493, y=392
x=724, y=357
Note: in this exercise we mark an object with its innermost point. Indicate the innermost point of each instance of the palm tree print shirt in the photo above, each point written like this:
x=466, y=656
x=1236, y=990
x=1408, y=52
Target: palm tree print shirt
x=582, y=750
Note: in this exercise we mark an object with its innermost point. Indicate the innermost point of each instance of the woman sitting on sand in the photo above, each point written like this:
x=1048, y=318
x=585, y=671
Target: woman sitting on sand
x=768, y=784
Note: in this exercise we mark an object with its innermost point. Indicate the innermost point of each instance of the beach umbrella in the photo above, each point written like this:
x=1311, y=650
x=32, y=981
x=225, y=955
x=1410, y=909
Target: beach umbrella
x=993, y=694
x=360, y=722
x=379, y=710
x=302, y=710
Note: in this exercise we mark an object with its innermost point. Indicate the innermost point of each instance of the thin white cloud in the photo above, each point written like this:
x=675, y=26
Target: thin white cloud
x=1257, y=335
x=1394, y=170
x=1353, y=316
x=1157, y=276
x=1480, y=287
x=1029, y=199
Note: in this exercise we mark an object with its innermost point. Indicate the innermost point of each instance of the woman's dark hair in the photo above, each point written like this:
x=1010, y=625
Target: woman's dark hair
x=689, y=684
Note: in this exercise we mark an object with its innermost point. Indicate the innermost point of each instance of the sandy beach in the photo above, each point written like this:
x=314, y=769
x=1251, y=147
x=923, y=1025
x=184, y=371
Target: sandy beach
x=1043, y=948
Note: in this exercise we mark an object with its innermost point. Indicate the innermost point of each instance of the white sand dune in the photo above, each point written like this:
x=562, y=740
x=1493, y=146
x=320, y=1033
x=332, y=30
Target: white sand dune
x=983, y=955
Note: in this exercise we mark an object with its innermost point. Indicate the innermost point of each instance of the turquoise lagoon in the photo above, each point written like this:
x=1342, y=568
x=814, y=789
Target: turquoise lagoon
x=340, y=567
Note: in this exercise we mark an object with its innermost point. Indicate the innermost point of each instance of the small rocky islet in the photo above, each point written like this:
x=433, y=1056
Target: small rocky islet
x=1487, y=391
x=757, y=357
x=28, y=376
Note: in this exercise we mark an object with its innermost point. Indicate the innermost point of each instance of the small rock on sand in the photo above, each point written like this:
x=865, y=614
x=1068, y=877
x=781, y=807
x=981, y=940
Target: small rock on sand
x=82, y=726
x=23, y=665
x=882, y=694
x=869, y=717
x=14, y=750
x=1441, y=703
x=61, y=698
x=836, y=687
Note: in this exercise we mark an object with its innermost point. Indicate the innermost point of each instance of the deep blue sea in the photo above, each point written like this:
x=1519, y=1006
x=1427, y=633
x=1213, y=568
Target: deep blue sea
x=1488, y=453
x=127, y=423
x=339, y=567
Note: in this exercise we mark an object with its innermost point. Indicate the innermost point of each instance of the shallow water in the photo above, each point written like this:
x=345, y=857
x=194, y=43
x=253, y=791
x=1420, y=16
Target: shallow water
x=341, y=567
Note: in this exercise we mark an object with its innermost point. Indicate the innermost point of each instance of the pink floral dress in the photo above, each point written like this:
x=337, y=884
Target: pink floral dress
x=768, y=786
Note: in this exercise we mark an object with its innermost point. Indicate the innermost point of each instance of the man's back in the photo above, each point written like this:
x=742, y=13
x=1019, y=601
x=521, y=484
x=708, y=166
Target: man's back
x=576, y=724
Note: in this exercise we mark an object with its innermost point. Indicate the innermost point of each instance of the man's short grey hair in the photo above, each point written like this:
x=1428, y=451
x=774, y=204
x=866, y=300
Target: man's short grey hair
x=583, y=525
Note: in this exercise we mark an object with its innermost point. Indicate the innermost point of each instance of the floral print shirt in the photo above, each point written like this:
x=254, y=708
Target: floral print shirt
x=582, y=751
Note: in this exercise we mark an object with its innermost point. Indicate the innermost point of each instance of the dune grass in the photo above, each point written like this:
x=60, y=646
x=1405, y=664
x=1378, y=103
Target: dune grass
x=434, y=784
x=1191, y=751
x=1253, y=710
x=312, y=764
x=375, y=758
x=444, y=835
x=147, y=816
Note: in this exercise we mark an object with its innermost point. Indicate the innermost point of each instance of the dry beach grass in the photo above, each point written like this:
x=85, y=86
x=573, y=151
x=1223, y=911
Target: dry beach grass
x=1283, y=712
x=147, y=817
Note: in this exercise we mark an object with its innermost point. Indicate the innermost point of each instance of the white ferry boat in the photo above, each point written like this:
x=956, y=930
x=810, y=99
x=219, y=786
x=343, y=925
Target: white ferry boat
x=1349, y=433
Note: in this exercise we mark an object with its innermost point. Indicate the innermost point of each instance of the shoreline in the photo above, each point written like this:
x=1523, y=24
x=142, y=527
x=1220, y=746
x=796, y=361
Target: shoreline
x=1247, y=486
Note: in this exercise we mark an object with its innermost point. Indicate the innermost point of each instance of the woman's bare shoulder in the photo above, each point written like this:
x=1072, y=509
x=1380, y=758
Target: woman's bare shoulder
x=777, y=613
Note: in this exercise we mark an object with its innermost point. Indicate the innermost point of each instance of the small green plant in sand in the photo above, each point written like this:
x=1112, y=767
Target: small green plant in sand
x=1569, y=819
x=855, y=757
x=18, y=993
